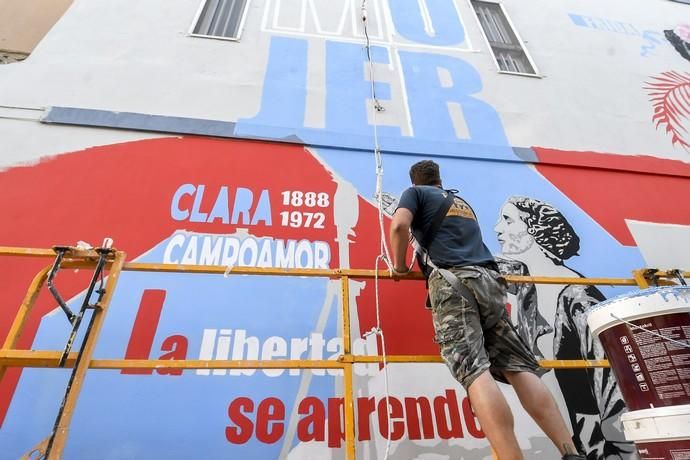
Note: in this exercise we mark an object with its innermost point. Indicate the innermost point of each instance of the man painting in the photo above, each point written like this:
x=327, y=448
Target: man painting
x=467, y=295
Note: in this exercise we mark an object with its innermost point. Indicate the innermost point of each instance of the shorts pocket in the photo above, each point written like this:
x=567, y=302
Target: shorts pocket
x=448, y=322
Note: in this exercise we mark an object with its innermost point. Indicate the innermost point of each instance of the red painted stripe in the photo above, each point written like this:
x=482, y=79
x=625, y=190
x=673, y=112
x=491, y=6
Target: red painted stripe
x=630, y=163
x=615, y=188
x=144, y=329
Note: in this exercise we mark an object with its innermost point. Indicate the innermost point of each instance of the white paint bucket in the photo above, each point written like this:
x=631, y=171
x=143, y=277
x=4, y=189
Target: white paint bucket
x=651, y=371
x=646, y=337
x=660, y=433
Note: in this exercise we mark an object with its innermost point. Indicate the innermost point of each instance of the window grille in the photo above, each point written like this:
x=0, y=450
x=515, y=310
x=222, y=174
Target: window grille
x=505, y=45
x=221, y=19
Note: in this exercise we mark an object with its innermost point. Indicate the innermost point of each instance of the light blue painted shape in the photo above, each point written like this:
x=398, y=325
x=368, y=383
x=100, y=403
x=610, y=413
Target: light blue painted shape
x=446, y=26
x=605, y=24
x=429, y=99
x=175, y=212
x=578, y=20
x=198, y=216
x=243, y=202
x=284, y=97
x=348, y=90
x=346, y=93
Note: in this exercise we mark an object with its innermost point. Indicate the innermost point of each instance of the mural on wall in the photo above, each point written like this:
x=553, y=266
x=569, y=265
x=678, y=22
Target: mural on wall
x=226, y=203
x=680, y=39
x=420, y=44
x=536, y=237
x=670, y=97
x=669, y=91
x=222, y=208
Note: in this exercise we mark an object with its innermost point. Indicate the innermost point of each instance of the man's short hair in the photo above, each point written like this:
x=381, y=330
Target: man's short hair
x=425, y=172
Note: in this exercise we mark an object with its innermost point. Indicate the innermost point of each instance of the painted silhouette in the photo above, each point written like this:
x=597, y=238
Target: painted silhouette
x=536, y=239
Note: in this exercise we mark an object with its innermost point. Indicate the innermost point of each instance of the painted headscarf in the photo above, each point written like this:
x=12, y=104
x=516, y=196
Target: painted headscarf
x=549, y=228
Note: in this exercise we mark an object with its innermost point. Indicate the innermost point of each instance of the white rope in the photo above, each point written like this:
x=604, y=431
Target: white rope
x=635, y=326
x=378, y=331
x=377, y=148
x=385, y=253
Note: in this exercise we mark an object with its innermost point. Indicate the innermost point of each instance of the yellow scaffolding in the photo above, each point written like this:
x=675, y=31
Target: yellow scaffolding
x=10, y=356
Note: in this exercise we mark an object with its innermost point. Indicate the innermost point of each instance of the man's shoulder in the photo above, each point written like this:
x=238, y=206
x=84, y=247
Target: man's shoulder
x=419, y=193
x=408, y=200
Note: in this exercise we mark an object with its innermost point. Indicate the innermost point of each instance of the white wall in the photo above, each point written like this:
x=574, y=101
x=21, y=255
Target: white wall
x=123, y=55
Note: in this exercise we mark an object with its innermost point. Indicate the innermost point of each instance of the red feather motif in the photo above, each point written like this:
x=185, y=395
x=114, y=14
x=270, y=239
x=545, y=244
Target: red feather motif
x=670, y=96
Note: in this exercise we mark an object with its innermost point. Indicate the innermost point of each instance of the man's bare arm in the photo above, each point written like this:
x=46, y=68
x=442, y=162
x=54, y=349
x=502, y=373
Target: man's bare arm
x=399, y=237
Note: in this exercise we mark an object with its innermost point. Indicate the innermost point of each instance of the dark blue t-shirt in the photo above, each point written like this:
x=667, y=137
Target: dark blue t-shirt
x=458, y=242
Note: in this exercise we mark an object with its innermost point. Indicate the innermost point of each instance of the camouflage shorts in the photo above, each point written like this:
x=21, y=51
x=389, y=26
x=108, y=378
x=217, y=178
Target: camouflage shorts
x=474, y=337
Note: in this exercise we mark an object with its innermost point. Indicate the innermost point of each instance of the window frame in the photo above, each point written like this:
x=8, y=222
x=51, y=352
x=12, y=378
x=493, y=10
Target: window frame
x=240, y=27
x=537, y=73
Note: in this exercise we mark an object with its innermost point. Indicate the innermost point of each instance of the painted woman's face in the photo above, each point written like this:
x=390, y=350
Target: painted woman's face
x=511, y=231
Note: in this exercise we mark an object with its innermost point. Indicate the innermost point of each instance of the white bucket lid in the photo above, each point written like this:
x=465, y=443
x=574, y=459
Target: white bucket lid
x=638, y=304
x=657, y=424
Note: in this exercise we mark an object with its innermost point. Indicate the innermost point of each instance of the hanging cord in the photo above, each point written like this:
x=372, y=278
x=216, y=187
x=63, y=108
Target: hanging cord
x=378, y=331
x=377, y=104
x=377, y=148
x=635, y=326
x=384, y=252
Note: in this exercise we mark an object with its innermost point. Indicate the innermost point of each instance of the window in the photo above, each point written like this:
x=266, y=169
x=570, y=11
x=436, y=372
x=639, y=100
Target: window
x=505, y=45
x=220, y=19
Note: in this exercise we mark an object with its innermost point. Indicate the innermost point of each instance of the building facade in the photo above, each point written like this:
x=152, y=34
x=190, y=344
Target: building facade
x=247, y=133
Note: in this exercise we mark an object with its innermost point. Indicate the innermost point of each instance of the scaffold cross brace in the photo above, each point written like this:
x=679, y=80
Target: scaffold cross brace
x=75, y=319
